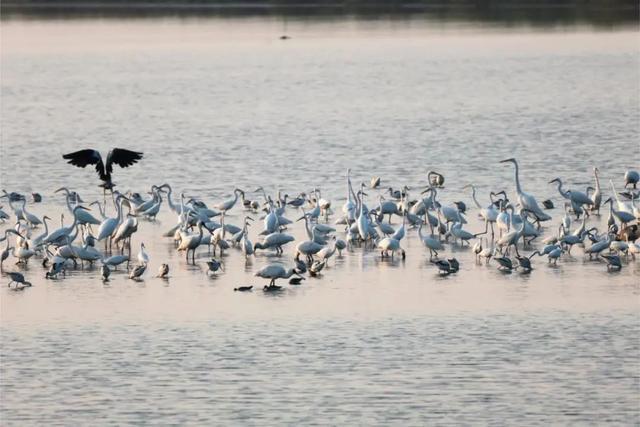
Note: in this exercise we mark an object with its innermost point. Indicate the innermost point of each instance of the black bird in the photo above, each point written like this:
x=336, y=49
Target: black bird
x=444, y=266
x=119, y=156
x=505, y=263
x=18, y=279
x=613, y=262
x=13, y=196
x=243, y=288
x=454, y=265
x=296, y=280
x=524, y=263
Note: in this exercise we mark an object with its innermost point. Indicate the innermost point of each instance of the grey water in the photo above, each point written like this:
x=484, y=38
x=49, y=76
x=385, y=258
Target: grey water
x=218, y=103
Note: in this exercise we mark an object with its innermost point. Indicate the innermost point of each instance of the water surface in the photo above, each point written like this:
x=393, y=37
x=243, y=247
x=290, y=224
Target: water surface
x=220, y=103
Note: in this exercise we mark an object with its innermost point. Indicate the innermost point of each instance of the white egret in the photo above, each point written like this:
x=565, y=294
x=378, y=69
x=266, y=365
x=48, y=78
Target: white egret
x=124, y=232
x=190, y=243
x=325, y=253
x=230, y=203
x=596, y=197
x=527, y=201
x=143, y=256
x=108, y=226
x=576, y=197
x=431, y=242
x=61, y=235
x=274, y=240
x=33, y=220
x=274, y=272
x=308, y=248
x=389, y=244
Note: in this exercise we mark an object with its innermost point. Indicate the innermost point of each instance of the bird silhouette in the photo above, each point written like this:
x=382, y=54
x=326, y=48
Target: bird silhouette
x=119, y=156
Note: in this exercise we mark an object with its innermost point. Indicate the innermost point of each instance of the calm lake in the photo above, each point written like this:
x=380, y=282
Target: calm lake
x=218, y=103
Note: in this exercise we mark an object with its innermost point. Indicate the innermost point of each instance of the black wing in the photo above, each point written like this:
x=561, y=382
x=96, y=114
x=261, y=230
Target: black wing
x=83, y=158
x=122, y=158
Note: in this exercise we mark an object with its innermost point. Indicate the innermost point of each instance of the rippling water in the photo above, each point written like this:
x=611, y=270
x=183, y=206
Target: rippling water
x=219, y=103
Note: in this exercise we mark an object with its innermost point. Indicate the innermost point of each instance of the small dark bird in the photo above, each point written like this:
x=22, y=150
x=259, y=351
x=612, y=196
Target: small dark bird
x=214, y=265
x=454, y=265
x=284, y=37
x=397, y=194
x=54, y=270
x=301, y=267
x=462, y=207
x=105, y=271
x=163, y=272
x=548, y=204
x=296, y=280
x=298, y=201
x=119, y=156
x=37, y=198
x=613, y=262
x=18, y=279
x=243, y=288
x=137, y=272
x=443, y=266
x=505, y=263
x=13, y=196
x=524, y=263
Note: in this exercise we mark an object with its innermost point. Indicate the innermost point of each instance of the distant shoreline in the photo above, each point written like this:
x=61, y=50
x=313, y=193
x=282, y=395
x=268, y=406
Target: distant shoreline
x=598, y=12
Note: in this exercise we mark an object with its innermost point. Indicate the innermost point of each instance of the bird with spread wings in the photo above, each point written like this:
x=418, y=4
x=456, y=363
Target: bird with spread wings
x=119, y=156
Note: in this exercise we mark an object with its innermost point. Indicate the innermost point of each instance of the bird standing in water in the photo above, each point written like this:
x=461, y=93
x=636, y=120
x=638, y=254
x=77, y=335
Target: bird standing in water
x=105, y=271
x=163, y=272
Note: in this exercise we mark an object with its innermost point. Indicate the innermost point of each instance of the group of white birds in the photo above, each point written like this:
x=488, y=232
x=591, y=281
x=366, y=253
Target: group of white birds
x=509, y=226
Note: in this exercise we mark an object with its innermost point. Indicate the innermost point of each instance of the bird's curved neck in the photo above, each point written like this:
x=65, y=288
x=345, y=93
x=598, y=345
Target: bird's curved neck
x=517, y=175
x=562, y=192
x=473, y=196
x=172, y=205
x=119, y=210
x=69, y=203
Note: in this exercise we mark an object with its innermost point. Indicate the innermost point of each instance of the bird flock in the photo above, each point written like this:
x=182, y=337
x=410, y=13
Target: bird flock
x=88, y=235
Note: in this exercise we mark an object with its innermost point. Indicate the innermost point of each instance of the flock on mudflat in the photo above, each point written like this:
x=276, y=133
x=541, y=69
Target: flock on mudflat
x=510, y=225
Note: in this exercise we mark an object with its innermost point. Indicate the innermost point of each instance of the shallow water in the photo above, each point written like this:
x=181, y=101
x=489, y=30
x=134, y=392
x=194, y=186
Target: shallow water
x=219, y=103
